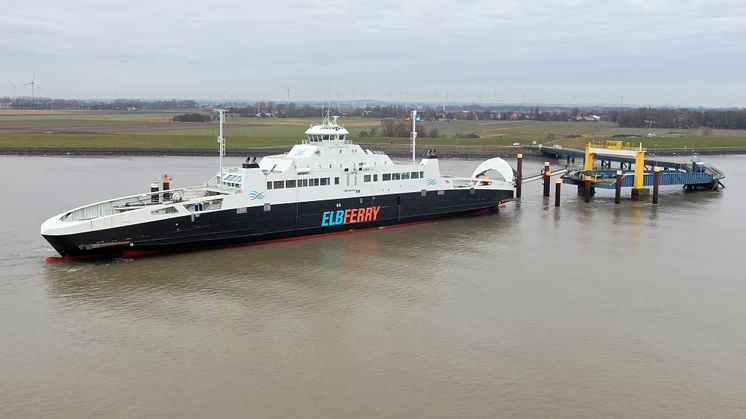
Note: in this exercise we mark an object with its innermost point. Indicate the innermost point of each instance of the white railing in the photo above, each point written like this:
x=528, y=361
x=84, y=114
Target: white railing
x=128, y=203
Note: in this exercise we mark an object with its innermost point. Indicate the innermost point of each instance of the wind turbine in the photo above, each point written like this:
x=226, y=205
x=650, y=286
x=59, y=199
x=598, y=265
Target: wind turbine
x=13, y=87
x=32, y=83
x=288, y=89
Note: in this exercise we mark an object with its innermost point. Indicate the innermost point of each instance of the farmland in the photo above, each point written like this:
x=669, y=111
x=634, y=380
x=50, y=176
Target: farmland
x=75, y=129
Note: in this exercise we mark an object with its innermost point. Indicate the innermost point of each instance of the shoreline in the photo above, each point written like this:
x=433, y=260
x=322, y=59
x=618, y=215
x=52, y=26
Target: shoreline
x=397, y=150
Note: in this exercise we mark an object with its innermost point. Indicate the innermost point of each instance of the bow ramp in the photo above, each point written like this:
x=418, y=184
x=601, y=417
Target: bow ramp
x=496, y=164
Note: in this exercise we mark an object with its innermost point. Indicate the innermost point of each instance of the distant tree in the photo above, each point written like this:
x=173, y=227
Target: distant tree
x=192, y=117
x=394, y=128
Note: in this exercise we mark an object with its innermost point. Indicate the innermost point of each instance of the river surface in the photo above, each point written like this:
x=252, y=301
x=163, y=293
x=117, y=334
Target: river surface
x=586, y=311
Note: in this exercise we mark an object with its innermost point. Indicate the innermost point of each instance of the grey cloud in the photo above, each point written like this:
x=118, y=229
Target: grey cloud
x=553, y=49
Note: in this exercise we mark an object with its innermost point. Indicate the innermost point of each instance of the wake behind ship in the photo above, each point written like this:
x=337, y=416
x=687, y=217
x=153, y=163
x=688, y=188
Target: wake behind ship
x=325, y=184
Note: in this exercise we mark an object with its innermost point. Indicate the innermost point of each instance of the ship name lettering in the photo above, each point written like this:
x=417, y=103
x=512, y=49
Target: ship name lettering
x=349, y=216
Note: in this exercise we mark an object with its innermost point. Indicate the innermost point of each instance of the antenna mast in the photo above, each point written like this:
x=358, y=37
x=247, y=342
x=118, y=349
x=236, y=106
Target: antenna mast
x=221, y=141
x=414, y=134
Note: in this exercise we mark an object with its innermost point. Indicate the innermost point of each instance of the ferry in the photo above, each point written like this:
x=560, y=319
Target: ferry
x=326, y=184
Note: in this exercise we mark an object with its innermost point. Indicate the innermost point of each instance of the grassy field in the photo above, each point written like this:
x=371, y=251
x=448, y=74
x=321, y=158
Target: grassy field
x=156, y=130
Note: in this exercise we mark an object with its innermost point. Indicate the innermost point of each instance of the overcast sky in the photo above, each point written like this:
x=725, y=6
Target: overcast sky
x=651, y=52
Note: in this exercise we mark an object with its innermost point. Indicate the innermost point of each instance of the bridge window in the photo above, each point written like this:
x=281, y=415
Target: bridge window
x=342, y=137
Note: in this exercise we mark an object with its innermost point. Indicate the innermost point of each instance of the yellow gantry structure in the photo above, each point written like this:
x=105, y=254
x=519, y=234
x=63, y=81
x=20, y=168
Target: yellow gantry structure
x=616, y=149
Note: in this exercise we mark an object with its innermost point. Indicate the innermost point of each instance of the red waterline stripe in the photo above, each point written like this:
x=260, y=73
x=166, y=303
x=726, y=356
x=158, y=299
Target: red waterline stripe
x=138, y=253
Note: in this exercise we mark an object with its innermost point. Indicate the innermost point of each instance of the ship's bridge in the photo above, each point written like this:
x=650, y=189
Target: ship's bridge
x=329, y=132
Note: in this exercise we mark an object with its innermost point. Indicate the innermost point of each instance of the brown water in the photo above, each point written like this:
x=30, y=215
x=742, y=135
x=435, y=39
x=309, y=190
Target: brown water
x=590, y=310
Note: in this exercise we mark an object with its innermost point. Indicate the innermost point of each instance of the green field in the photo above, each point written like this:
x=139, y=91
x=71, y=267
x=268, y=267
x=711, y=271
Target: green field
x=156, y=130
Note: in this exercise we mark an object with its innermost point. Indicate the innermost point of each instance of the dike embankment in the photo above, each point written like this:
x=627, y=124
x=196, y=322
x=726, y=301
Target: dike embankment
x=393, y=150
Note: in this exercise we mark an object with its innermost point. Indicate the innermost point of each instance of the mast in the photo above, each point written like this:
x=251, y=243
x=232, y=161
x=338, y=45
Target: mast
x=221, y=141
x=414, y=134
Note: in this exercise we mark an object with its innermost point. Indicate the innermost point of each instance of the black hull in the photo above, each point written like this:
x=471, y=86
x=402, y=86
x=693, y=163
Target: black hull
x=282, y=221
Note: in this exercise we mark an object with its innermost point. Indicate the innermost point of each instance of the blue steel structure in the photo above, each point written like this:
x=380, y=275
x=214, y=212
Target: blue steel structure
x=691, y=175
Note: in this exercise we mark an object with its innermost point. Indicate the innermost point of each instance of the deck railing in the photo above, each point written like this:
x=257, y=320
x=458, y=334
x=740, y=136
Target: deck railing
x=128, y=203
